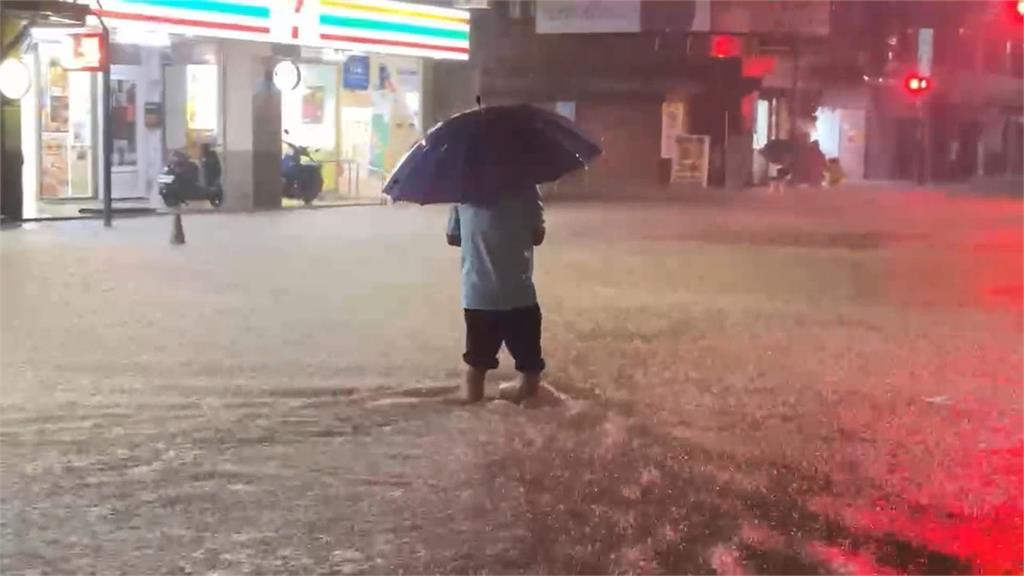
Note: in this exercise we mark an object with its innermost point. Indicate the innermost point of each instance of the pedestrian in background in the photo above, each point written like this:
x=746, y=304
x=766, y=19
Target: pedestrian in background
x=780, y=156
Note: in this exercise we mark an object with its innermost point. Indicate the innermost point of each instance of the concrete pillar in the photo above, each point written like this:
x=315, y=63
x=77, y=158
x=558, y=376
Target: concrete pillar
x=266, y=136
x=10, y=166
x=252, y=127
x=449, y=87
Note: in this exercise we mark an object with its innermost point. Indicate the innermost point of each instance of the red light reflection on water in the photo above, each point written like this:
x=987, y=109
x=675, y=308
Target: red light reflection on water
x=997, y=263
x=989, y=541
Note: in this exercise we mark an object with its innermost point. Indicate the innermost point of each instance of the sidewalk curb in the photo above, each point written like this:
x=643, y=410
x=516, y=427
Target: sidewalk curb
x=167, y=212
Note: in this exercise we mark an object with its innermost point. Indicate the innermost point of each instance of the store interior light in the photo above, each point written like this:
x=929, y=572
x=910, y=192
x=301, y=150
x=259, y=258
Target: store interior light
x=15, y=79
x=44, y=34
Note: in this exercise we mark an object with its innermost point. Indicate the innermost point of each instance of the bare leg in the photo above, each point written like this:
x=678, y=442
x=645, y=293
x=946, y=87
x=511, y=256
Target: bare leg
x=473, y=387
x=527, y=387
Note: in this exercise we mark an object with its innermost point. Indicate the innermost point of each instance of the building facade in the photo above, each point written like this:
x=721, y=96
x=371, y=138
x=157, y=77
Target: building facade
x=857, y=102
x=969, y=122
x=674, y=91
x=649, y=78
x=187, y=73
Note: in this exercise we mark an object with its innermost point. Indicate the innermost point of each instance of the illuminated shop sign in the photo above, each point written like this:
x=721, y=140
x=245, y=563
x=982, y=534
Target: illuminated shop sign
x=395, y=27
x=87, y=52
x=365, y=25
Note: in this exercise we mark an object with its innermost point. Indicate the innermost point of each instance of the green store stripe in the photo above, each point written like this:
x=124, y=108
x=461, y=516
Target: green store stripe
x=213, y=6
x=381, y=26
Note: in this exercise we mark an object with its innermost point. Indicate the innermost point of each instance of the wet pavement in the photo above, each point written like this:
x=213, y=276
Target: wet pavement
x=828, y=382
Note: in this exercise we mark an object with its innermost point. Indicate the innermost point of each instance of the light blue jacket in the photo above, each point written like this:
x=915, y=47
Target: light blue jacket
x=497, y=251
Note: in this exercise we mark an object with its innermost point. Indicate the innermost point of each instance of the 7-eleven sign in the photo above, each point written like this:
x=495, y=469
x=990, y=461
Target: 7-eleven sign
x=294, y=21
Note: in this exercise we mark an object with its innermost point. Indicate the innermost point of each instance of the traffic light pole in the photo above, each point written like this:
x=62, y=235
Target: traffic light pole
x=924, y=160
x=922, y=148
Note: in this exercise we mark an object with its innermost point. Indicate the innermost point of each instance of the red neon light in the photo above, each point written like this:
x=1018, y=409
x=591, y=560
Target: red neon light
x=725, y=46
x=295, y=28
x=360, y=40
x=184, y=22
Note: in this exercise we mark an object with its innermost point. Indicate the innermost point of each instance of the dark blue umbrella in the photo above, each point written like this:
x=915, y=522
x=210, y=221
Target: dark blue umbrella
x=479, y=155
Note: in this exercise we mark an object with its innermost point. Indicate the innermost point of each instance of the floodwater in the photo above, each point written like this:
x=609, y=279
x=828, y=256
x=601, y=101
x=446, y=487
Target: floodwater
x=828, y=382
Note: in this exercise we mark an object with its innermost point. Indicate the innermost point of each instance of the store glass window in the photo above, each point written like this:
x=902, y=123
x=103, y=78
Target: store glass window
x=309, y=117
x=67, y=139
x=381, y=115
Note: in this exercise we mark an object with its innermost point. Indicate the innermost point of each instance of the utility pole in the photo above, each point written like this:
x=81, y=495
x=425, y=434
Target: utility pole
x=922, y=146
x=108, y=147
x=918, y=87
x=794, y=100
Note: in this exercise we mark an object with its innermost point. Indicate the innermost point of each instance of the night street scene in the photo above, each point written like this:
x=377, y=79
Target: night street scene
x=299, y=287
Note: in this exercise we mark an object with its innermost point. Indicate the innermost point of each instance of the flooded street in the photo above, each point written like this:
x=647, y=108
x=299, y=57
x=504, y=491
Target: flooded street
x=828, y=382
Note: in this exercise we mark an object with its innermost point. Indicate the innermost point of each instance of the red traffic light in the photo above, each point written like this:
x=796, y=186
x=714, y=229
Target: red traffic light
x=918, y=84
x=726, y=46
x=1015, y=11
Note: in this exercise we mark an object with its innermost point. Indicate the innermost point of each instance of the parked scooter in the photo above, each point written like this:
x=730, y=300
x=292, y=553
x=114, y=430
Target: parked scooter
x=179, y=181
x=300, y=180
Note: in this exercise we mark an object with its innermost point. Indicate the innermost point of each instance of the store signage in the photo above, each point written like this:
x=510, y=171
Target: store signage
x=805, y=18
x=673, y=121
x=690, y=160
x=88, y=53
x=395, y=27
x=925, y=50
x=588, y=16
x=153, y=115
x=356, y=73
x=383, y=26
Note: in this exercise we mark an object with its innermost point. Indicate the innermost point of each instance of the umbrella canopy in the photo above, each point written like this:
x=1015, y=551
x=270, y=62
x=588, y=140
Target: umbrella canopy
x=779, y=151
x=478, y=156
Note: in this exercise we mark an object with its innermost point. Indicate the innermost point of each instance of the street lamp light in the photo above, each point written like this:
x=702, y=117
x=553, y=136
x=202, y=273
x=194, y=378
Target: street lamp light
x=15, y=79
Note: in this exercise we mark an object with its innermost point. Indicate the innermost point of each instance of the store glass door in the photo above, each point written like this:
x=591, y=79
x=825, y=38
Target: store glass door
x=127, y=172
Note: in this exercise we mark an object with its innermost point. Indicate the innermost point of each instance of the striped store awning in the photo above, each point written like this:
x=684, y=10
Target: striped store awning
x=384, y=26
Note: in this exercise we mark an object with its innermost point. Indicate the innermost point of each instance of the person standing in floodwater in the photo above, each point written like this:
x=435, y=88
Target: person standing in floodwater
x=498, y=296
